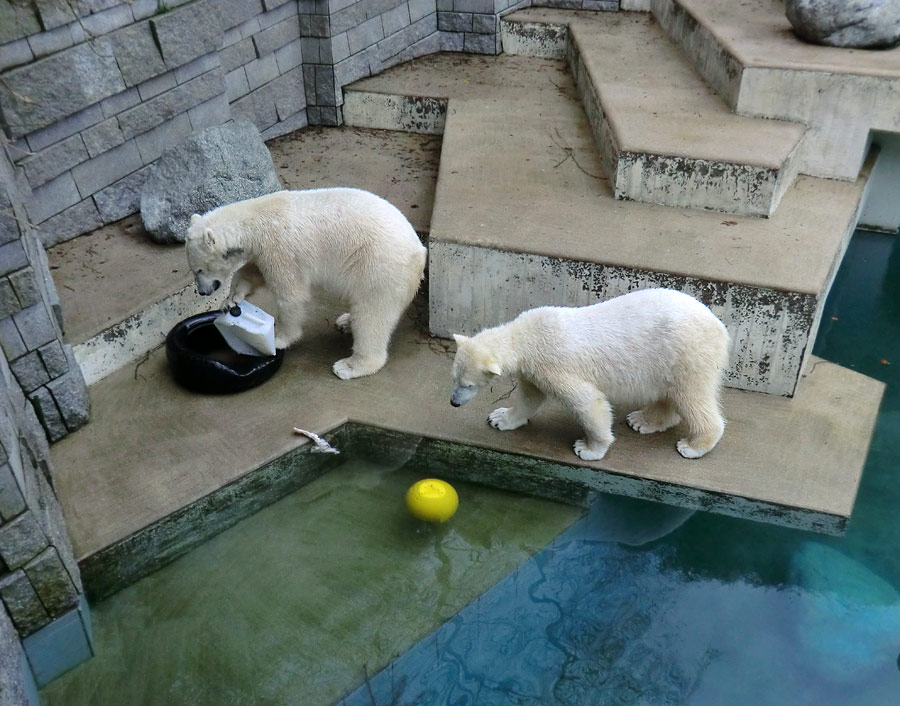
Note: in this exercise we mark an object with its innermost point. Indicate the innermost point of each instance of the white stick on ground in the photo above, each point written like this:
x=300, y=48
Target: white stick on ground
x=321, y=446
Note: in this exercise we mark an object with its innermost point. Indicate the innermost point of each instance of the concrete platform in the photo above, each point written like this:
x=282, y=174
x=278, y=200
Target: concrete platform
x=522, y=200
x=120, y=292
x=748, y=52
x=664, y=136
x=153, y=451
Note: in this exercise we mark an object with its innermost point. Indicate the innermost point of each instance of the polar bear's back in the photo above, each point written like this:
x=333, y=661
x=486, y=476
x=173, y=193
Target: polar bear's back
x=629, y=345
x=340, y=237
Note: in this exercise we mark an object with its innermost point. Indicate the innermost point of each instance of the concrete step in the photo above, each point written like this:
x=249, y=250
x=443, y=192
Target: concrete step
x=748, y=52
x=121, y=293
x=140, y=484
x=524, y=217
x=664, y=136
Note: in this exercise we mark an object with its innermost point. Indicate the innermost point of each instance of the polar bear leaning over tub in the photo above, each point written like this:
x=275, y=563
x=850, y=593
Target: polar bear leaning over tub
x=348, y=241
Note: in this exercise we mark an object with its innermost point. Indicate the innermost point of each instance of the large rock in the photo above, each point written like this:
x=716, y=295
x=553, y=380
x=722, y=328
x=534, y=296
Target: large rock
x=216, y=166
x=846, y=23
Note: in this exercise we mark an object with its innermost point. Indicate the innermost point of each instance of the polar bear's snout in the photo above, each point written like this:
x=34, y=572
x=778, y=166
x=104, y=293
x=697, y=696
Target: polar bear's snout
x=206, y=285
x=462, y=394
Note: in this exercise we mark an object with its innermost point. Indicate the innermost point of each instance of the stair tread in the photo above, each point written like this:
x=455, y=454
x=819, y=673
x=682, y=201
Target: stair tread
x=108, y=275
x=758, y=34
x=546, y=193
x=137, y=462
x=655, y=101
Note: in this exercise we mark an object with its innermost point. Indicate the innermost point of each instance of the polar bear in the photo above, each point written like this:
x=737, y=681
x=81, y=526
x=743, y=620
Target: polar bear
x=348, y=241
x=657, y=349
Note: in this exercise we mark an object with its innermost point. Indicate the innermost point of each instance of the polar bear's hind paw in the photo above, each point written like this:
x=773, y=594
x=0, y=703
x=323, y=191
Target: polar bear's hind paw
x=587, y=452
x=353, y=367
x=685, y=449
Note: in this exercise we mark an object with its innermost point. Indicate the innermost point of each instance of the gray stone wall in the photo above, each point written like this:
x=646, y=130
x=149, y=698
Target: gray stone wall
x=346, y=40
x=39, y=578
x=42, y=366
x=93, y=91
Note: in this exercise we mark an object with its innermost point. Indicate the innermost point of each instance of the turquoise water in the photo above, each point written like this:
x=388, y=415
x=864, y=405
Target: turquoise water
x=645, y=604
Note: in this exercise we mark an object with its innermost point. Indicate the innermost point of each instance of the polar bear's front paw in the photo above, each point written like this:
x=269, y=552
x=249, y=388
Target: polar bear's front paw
x=685, y=449
x=588, y=452
x=637, y=421
x=505, y=419
x=353, y=367
x=342, y=323
x=282, y=342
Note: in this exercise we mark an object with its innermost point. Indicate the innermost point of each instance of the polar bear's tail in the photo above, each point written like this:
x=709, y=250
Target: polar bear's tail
x=416, y=271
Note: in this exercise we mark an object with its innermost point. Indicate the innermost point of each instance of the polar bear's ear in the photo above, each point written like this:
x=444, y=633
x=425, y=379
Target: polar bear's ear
x=460, y=339
x=494, y=368
x=194, y=218
x=208, y=238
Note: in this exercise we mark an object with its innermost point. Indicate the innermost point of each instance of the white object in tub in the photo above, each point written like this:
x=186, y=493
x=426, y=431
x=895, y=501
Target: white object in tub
x=251, y=333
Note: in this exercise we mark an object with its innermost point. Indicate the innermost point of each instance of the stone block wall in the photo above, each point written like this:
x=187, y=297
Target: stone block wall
x=93, y=91
x=42, y=366
x=346, y=40
x=39, y=578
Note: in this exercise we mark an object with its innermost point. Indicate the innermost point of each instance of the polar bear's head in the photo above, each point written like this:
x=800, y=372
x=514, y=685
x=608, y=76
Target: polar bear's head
x=473, y=367
x=210, y=254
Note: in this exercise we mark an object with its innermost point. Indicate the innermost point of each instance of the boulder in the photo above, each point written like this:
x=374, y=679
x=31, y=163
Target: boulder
x=869, y=24
x=211, y=168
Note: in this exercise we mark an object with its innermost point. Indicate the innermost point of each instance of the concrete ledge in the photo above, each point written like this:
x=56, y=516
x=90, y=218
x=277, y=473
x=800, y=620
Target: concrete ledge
x=134, y=337
x=750, y=55
x=543, y=39
x=391, y=112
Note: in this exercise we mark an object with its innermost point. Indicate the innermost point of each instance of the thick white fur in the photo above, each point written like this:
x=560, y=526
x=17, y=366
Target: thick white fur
x=657, y=349
x=348, y=241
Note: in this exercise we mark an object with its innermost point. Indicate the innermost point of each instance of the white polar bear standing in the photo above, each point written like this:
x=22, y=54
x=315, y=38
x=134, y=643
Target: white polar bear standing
x=658, y=349
x=348, y=241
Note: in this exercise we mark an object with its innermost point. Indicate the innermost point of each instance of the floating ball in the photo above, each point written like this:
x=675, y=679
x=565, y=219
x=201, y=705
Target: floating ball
x=432, y=500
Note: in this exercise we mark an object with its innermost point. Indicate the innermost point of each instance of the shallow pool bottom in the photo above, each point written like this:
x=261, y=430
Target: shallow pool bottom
x=301, y=601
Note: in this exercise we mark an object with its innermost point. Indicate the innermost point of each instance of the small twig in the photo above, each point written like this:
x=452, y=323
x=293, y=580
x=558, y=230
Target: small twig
x=560, y=142
x=507, y=395
x=140, y=363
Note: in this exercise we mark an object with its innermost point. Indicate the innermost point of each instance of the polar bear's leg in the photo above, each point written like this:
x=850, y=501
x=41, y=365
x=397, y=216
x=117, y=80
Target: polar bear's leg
x=373, y=323
x=343, y=323
x=526, y=400
x=658, y=416
x=592, y=410
x=245, y=281
x=699, y=407
x=291, y=313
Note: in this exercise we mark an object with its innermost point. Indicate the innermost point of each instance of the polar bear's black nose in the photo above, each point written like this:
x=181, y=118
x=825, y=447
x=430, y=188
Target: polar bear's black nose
x=454, y=403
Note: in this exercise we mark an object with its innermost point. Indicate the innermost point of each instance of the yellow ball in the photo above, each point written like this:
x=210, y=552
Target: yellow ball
x=432, y=500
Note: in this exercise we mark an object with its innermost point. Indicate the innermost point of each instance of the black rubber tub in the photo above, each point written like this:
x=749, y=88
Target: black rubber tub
x=200, y=359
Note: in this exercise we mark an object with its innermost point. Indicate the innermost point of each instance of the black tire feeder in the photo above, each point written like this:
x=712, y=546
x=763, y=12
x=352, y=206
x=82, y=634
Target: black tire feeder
x=201, y=360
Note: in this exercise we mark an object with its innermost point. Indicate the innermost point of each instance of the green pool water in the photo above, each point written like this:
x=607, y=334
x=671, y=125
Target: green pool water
x=298, y=603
